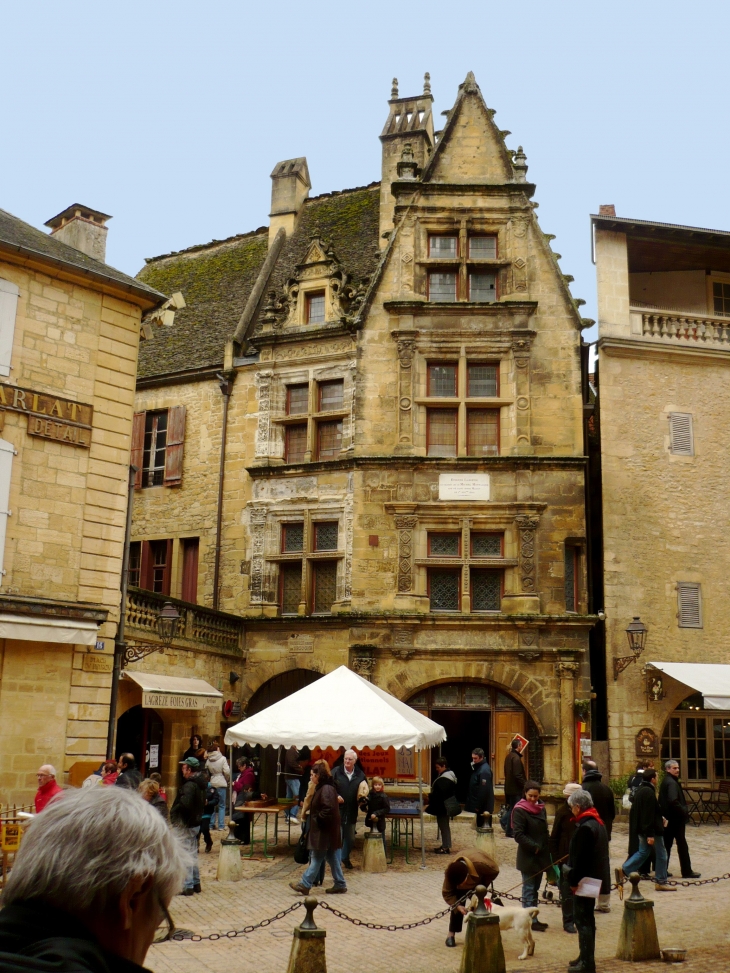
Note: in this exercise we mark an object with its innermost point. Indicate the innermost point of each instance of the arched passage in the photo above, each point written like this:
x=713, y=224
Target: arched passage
x=478, y=714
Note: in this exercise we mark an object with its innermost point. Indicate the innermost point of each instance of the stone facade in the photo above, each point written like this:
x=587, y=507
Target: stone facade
x=663, y=352
x=337, y=337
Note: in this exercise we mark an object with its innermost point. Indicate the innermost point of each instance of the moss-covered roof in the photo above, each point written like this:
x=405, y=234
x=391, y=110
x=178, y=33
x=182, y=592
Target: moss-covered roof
x=215, y=280
x=348, y=220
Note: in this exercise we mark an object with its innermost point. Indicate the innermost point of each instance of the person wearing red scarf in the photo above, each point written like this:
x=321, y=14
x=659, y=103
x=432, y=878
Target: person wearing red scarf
x=588, y=859
x=47, y=787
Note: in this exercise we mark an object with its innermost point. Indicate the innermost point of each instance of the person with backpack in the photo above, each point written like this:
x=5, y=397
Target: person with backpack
x=186, y=814
x=443, y=789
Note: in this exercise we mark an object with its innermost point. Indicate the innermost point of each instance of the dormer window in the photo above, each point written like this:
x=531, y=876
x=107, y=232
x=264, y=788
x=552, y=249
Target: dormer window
x=482, y=287
x=441, y=287
x=445, y=247
x=483, y=247
x=315, y=308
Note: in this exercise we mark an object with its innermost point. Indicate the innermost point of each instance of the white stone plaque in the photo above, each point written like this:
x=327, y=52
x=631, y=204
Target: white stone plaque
x=463, y=486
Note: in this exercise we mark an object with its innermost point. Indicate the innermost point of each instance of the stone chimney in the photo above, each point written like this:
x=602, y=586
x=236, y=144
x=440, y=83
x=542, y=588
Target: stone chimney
x=606, y=209
x=409, y=129
x=290, y=186
x=82, y=228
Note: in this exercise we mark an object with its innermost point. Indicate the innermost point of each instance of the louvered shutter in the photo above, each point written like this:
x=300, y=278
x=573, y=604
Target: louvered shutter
x=689, y=597
x=680, y=430
x=175, y=445
x=8, y=310
x=137, y=456
x=7, y=451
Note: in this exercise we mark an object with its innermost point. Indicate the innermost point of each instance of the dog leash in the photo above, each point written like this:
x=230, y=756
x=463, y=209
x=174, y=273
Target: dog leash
x=536, y=874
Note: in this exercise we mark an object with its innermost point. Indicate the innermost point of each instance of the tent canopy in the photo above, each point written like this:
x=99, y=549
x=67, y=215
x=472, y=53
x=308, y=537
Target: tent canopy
x=339, y=710
x=713, y=681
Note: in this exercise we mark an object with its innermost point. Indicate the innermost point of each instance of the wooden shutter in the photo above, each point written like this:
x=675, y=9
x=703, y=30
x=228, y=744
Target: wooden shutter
x=190, y=570
x=145, y=567
x=682, y=438
x=8, y=308
x=167, y=574
x=137, y=455
x=507, y=725
x=689, y=597
x=175, y=445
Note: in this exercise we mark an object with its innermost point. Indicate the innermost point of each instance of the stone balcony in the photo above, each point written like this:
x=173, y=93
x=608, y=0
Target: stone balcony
x=681, y=327
x=203, y=629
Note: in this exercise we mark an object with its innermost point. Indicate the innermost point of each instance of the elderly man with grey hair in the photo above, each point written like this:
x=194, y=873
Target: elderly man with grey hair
x=673, y=805
x=347, y=780
x=588, y=873
x=90, y=886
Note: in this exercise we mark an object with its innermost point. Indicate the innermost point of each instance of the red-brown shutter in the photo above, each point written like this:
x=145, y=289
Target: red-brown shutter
x=175, y=445
x=167, y=573
x=190, y=570
x=145, y=567
x=137, y=456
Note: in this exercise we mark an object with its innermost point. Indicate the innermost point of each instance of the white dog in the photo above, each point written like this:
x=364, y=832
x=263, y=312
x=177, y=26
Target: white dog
x=515, y=918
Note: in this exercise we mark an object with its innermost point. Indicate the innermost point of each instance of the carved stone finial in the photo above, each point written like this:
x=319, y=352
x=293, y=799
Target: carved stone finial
x=407, y=167
x=427, y=83
x=480, y=892
x=519, y=161
x=310, y=904
x=394, y=89
x=636, y=895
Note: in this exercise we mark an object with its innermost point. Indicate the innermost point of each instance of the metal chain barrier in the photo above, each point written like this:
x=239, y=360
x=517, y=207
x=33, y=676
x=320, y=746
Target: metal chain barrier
x=381, y=926
x=179, y=937
x=685, y=882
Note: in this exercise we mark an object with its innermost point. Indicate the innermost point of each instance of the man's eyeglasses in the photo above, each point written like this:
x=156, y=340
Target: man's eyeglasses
x=166, y=928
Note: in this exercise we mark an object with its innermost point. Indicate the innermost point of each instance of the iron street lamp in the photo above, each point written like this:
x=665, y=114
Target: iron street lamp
x=636, y=633
x=167, y=623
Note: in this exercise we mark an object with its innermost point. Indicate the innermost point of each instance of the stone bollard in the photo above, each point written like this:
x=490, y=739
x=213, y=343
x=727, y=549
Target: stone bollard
x=483, y=951
x=307, y=950
x=230, y=868
x=373, y=853
x=485, y=836
x=637, y=939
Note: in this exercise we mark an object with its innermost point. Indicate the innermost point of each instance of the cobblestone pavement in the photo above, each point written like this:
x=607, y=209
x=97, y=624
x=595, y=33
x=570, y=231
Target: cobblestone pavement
x=696, y=918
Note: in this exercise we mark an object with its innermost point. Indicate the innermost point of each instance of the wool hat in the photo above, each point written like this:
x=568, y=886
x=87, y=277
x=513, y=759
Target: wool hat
x=571, y=789
x=192, y=762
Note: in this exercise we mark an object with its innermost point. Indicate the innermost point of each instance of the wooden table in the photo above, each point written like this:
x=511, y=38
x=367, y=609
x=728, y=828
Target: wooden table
x=268, y=811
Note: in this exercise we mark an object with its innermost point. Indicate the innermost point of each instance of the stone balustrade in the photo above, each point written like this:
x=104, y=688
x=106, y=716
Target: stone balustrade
x=199, y=626
x=684, y=327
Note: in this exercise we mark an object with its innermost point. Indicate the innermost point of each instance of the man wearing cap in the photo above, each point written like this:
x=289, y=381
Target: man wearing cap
x=186, y=814
x=463, y=873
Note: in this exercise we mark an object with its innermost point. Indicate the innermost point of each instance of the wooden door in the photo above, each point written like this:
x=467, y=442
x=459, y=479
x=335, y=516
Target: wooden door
x=506, y=725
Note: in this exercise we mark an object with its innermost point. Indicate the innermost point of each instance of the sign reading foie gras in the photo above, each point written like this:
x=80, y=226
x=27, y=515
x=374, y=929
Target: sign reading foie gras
x=152, y=699
x=49, y=416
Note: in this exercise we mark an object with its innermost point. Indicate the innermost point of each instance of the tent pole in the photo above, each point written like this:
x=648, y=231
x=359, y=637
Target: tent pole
x=420, y=804
x=278, y=771
x=230, y=782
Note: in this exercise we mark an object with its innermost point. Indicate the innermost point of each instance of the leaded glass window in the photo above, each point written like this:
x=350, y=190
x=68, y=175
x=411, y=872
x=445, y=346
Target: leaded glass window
x=441, y=287
x=486, y=590
x=292, y=538
x=324, y=583
x=442, y=380
x=482, y=381
x=325, y=537
x=444, y=545
x=443, y=589
x=290, y=582
x=486, y=545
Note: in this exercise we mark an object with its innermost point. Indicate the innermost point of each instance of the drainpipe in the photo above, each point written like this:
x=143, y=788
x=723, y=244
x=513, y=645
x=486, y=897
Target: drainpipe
x=119, y=639
x=226, y=387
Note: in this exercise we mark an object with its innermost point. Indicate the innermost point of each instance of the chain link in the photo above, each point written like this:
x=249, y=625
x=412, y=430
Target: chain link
x=179, y=937
x=686, y=882
x=381, y=926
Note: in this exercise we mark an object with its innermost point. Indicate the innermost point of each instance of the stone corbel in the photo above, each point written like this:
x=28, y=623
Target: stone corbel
x=362, y=660
x=402, y=647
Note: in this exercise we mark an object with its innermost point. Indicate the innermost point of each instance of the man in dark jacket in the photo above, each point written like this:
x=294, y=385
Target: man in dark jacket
x=605, y=804
x=514, y=781
x=480, y=796
x=673, y=806
x=463, y=873
x=186, y=814
x=588, y=860
x=650, y=828
x=129, y=776
x=564, y=825
x=347, y=780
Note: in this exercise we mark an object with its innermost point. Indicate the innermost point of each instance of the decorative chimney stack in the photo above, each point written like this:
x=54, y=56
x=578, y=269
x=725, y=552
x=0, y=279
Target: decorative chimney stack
x=83, y=229
x=409, y=130
x=290, y=186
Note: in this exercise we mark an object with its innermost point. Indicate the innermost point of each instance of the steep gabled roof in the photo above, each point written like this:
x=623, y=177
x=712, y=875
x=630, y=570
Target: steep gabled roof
x=215, y=280
x=19, y=237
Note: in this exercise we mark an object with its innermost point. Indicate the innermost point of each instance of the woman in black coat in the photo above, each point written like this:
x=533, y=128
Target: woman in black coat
x=529, y=823
x=442, y=788
x=325, y=837
x=559, y=846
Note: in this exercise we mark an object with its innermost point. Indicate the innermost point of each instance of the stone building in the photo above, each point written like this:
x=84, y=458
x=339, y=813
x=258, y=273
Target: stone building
x=663, y=360
x=69, y=336
x=364, y=436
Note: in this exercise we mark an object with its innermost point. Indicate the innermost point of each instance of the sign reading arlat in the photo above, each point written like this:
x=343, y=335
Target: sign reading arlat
x=50, y=417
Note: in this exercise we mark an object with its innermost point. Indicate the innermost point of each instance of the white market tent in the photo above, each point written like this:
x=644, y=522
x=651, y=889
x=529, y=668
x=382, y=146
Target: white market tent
x=710, y=679
x=340, y=710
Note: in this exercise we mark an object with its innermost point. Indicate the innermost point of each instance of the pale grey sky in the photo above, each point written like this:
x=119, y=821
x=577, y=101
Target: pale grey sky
x=171, y=115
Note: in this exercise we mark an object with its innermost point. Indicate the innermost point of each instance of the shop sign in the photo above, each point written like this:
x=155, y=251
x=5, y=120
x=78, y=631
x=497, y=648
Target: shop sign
x=376, y=762
x=647, y=743
x=155, y=700
x=154, y=756
x=98, y=663
x=11, y=836
x=49, y=416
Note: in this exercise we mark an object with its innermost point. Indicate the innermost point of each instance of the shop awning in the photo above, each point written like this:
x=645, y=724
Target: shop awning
x=46, y=628
x=712, y=680
x=173, y=692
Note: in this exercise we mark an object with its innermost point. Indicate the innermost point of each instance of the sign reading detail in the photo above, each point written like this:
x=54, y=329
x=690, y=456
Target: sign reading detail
x=463, y=486
x=50, y=417
x=155, y=700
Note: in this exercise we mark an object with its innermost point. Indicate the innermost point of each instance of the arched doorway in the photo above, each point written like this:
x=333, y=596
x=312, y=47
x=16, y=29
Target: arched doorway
x=478, y=715
x=276, y=688
x=139, y=731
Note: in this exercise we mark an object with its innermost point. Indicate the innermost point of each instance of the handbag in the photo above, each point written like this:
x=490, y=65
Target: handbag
x=301, y=852
x=452, y=806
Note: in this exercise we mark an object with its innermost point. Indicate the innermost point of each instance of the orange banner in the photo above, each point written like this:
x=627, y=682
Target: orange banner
x=377, y=762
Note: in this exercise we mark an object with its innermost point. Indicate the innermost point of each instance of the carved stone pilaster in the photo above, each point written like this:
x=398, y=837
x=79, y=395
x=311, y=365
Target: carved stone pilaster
x=347, y=580
x=567, y=670
x=263, y=431
x=521, y=343
x=517, y=280
x=257, y=516
x=362, y=660
x=404, y=524
x=527, y=526
x=406, y=345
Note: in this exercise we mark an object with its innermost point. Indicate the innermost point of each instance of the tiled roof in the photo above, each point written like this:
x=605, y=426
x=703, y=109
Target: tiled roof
x=215, y=280
x=20, y=237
